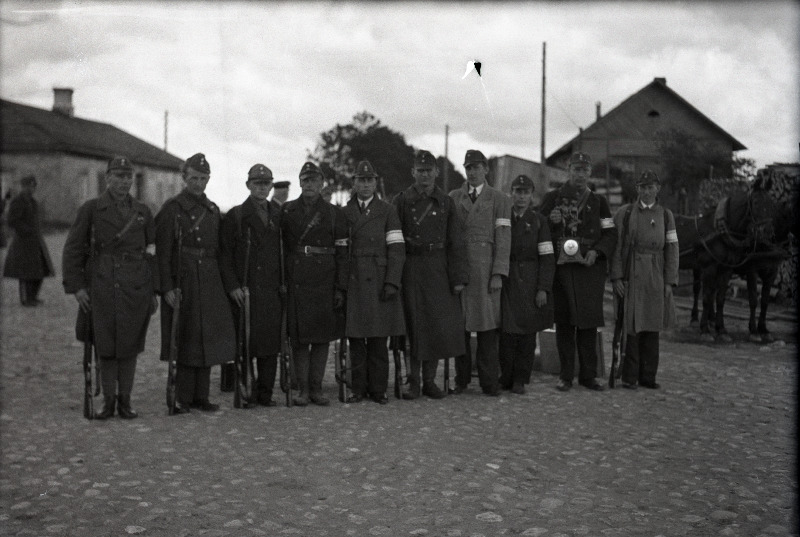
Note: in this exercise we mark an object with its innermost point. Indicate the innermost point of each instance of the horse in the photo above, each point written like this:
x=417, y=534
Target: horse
x=736, y=233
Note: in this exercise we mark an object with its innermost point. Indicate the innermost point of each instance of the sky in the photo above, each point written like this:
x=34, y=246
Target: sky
x=258, y=82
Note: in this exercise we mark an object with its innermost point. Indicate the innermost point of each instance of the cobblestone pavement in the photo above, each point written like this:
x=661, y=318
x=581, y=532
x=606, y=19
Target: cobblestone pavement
x=711, y=453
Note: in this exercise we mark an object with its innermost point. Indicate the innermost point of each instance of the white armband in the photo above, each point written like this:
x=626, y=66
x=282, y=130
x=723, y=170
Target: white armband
x=394, y=236
x=150, y=249
x=672, y=236
x=340, y=242
x=606, y=223
x=502, y=222
x=545, y=248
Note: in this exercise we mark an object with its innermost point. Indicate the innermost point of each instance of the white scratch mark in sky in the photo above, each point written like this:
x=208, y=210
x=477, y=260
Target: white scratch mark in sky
x=476, y=65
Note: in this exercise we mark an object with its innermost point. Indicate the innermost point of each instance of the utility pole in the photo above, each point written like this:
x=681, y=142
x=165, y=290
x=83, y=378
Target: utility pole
x=542, y=167
x=166, y=120
x=446, y=161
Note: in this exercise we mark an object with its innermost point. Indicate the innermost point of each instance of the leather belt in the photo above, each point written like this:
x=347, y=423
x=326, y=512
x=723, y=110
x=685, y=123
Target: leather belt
x=199, y=252
x=423, y=248
x=318, y=250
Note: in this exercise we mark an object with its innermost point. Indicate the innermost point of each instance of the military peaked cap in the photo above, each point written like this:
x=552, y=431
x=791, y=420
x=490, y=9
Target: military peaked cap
x=309, y=169
x=647, y=178
x=198, y=163
x=580, y=158
x=474, y=156
x=365, y=169
x=424, y=159
x=119, y=163
x=259, y=172
x=281, y=184
x=522, y=181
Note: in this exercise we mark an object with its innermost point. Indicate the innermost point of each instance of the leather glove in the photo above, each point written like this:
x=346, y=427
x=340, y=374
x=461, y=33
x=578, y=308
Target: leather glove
x=389, y=292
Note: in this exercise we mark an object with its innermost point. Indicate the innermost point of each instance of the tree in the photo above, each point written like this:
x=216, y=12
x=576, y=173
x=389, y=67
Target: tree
x=687, y=160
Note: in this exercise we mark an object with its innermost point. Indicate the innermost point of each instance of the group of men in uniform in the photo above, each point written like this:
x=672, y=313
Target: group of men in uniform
x=428, y=266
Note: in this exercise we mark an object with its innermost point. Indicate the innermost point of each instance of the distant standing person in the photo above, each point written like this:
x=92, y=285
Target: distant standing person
x=527, y=296
x=486, y=214
x=644, y=269
x=315, y=242
x=434, y=274
x=116, y=282
x=584, y=237
x=281, y=192
x=206, y=334
x=374, y=306
x=27, y=259
x=256, y=221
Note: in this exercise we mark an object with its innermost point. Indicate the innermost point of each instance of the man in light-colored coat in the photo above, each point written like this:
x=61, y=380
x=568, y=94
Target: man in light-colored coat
x=644, y=269
x=486, y=214
x=374, y=306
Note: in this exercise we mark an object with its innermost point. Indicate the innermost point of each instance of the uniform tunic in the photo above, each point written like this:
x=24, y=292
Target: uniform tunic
x=263, y=270
x=487, y=234
x=531, y=269
x=377, y=254
x=314, y=278
x=436, y=261
x=27, y=257
x=206, y=332
x=652, y=238
x=120, y=274
x=578, y=289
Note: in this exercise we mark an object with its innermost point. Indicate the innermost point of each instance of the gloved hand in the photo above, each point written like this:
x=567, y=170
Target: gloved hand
x=338, y=299
x=389, y=292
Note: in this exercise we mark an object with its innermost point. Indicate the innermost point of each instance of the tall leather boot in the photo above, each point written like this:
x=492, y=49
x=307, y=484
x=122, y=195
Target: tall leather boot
x=109, y=402
x=124, y=407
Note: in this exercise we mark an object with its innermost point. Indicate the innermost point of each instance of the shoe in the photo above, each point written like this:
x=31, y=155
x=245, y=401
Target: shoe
x=320, y=400
x=564, y=385
x=432, y=390
x=205, y=405
x=593, y=385
x=300, y=400
x=380, y=399
x=109, y=402
x=412, y=393
x=266, y=401
x=124, y=408
x=630, y=385
x=494, y=391
x=518, y=388
x=651, y=385
x=354, y=398
x=181, y=409
x=458, y=390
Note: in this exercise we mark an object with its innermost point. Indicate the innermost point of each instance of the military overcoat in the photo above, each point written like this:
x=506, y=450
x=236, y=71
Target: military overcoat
x=650, y=246
x=578, y=289
x=315, y=242
x=377, y=255
x=531, y=269
x=27, y=257
x=487, y=234
x=263, y=269
x=120, y=272
x=206, y=333
x=436, y=261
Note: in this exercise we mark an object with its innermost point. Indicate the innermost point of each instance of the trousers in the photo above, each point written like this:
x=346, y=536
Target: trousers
x=486, y=356
x=567, y=337
x=369, y=365
x=516, y=358
x=192, y=384
x=309, y=366
x=116, y=376
x=641, y=358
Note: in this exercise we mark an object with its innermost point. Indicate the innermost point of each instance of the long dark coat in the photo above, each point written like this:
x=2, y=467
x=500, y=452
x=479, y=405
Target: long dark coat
x=27, y=257
x=436, y=261
x=377, y=255
x=578, y=289
x=531, y=270
x=206, y=334
x=120, y=274
x=313, y=278
x=263, y=270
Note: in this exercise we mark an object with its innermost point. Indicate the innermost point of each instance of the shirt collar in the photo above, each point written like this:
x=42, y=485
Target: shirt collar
x=366, y=202
x=642, y=205
x=477, y=189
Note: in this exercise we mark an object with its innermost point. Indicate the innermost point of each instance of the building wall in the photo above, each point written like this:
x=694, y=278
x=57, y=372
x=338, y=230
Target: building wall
x=506, y=168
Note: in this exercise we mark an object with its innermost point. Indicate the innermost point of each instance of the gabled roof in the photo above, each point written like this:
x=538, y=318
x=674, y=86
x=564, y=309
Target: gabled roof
x=29, y=129
x=615, y=120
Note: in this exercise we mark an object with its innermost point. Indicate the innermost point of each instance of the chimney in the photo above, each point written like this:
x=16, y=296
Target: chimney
x=597, y=107
x=62, y=101
x=661, y=80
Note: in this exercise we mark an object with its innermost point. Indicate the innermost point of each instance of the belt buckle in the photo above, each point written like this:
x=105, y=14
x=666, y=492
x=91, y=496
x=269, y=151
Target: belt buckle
x=305, y=250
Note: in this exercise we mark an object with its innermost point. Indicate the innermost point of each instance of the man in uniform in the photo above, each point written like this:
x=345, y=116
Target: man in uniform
x=27, y=258
x=108, y=265
x=374, y=307
x=644, y=269
x=434, y=274
x=281, y=192
x=206, y=332
x=315, y=241
x=584, y=237
x=527, y=303
x=486, y=214
x=252, y=230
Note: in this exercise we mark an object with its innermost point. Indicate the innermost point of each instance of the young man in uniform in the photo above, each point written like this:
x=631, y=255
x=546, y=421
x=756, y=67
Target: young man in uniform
x=486, y=214
x=252, y=230
x=526, y=302
x=374, y=307
x=315, y=242
x=281, y=192
x=584, y=237
x=109, y=267
x=434, y=274
x=206, y=332
x=644, y=269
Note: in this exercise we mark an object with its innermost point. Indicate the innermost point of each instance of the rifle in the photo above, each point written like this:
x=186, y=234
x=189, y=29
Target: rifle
x=244, y=363
x=618, y=344
x=447, y=375
x=400, y=383
x=286, y=358
x=88, y=350
x=173, y=332
x=343, y=374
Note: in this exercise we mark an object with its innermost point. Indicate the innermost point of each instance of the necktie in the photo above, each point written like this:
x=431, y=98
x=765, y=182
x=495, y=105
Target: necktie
x=473, y=194
x=363, y=206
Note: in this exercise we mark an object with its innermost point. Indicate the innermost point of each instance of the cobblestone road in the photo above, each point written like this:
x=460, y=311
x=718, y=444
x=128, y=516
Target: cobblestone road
x=711, y=453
